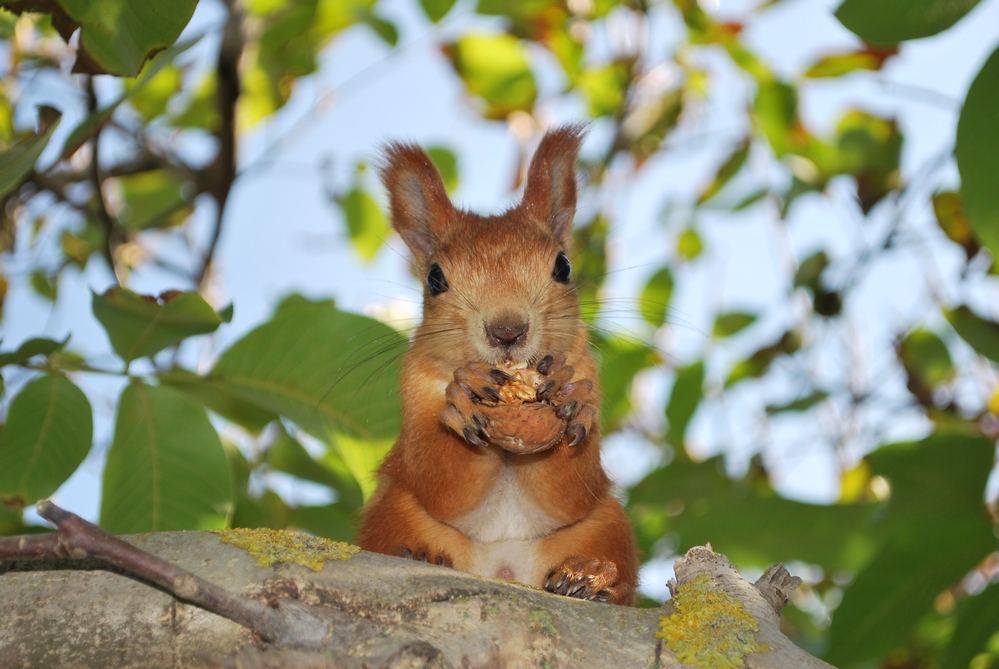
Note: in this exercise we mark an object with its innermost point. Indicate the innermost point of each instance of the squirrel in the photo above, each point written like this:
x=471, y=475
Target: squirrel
x=498, y=291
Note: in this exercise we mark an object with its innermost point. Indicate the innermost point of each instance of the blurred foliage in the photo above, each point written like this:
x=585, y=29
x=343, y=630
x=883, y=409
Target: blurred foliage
x=901, y=572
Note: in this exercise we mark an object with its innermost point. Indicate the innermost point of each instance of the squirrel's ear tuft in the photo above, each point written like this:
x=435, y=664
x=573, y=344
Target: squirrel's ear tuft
x=551, y=180
x=417, y=198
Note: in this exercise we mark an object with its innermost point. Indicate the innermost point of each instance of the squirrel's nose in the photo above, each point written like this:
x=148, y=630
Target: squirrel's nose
x=506, y=332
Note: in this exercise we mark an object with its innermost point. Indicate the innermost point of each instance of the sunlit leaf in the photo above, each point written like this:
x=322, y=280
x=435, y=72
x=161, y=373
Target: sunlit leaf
x=776, y=114
x=151, y=99
x=728, y=169
x=656, y=295
x=206, y=391
x=366, y=223
x=447, y=164
x=689, y=244
x=619, y=361
x=30, y=348
x=362, y=458
x=140, y=325
x=116, y=36
x=977, y=152
x=436, y=9
x=981, y=334
x=153, y=199
x=46, y=437
x=893, y=21
x=166, y=468
x=201, y=109
x=495, y=68
x=320, y=367
x=18, y=161
x=953, y=220
x=732, y=323
x=333, y=521
x=838, y=64
x=286, y=454
x=688, y=389
x=603, y=88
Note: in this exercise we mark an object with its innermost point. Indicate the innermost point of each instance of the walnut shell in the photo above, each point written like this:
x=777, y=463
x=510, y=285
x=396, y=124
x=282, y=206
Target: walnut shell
x=520, y=423
x=523, y=428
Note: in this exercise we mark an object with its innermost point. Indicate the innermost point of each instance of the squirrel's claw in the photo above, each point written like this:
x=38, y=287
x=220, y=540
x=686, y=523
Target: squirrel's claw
x=593, y=580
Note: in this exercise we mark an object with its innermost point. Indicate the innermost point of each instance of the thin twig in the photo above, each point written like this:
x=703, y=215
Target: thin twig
x=79, y=540
x=222, y=172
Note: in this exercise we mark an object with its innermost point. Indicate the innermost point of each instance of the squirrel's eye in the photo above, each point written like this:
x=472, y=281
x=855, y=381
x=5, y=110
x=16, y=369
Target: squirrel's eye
x=563, y=269
x=436, y=280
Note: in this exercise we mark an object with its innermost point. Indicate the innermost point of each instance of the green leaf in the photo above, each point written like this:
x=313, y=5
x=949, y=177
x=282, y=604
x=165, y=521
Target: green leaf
x=286, y=454
x=869, y=149
x=139, y=326
x=96, y=119
x=47, y=436
x=688, y=389
x=150, y=100
x=838, y=64
x=620, y=360
x=116, y=36
x=655, y=298
x=603, y=88
x=776, y=114
x=977, y=622
x=153, y=199
x=333, y=521
x=953, y=220
x=732, y=323
x=981, y=334
x=810, y=271
x=30, y=348
x=689, y=244
x=495, y=68
x=436, y=9
x=894, y=21
x=207, y=391
x=320, y=367
x=382, y=27
x=698, y=503
x=447, y=164
x=977, y=152
x=47, y=287
x=18, y=161
x=728, y=169
x=925, y=357
x=801, y=404
x=366, y=223
x=759, y=362
x=937, y=529
x=166, y=469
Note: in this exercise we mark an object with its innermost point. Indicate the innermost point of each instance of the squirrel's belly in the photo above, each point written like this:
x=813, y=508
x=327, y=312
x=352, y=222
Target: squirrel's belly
x=506, y=528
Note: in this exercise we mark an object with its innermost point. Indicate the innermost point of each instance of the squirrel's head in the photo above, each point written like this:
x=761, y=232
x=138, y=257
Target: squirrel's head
x=495, y=288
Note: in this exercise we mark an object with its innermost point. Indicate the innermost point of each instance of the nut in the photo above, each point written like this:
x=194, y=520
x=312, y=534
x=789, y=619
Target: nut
x=520, y=423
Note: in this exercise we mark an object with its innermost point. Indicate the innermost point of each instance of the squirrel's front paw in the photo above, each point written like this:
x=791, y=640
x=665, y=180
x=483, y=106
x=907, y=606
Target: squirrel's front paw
x=475, y=380
x=423, y=555
x=571, y=398
x=593, y=580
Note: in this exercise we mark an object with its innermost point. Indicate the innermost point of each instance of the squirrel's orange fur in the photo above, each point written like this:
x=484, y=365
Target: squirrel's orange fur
x=445, y=494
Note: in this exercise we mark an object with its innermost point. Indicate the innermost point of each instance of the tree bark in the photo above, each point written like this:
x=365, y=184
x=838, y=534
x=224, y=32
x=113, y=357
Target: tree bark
x=379, y=611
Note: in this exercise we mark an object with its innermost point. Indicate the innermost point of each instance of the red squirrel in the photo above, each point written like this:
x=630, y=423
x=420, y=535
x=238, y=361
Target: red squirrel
x=498, y=290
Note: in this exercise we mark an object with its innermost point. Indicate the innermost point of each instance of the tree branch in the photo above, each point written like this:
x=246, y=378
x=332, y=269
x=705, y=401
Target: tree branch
x=222, y=171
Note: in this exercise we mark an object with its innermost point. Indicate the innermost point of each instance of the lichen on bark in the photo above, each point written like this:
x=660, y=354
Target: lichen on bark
x=270, y=546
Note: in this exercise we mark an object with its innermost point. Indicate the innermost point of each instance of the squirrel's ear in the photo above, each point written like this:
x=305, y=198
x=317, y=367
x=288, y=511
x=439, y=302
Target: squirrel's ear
x=417, y=197
x=550, y=192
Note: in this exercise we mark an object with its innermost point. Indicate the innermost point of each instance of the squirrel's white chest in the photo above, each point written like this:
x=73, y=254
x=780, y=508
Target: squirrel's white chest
x=506, y=528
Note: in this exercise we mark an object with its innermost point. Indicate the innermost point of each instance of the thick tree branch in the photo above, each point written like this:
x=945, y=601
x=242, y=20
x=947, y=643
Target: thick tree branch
x=371, y=611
